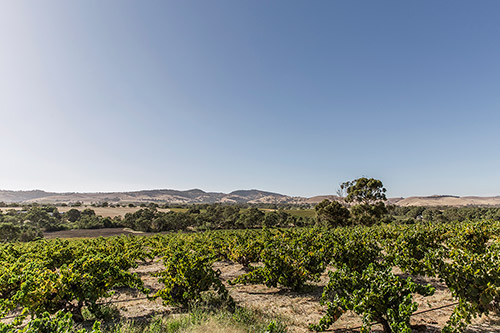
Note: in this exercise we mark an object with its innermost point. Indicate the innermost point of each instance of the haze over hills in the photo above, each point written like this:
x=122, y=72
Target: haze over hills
x=160, y=196
x=447, y=200
x=239, y=196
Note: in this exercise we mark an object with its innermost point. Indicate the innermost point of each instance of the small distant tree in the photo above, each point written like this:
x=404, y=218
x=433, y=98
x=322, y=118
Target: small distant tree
x=39, y=218
x=251, y=218
x=433, y=215
x=9, y=232
x=271, y=220
x=194, y=210
x=88, y=212
x=73, y=215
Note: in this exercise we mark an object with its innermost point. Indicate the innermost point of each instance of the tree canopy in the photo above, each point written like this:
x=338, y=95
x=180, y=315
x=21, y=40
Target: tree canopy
x=363, y=190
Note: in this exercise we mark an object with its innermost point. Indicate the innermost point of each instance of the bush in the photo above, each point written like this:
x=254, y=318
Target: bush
x=290, y=260
x=331, y=214
x=375, y=293
x=62, y=322
x=186, y=276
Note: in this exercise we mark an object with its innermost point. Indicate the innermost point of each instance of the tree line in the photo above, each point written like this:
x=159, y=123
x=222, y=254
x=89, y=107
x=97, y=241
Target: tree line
x=361, y=202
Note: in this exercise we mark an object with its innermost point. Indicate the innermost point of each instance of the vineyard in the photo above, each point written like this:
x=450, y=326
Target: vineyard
x=373, y=274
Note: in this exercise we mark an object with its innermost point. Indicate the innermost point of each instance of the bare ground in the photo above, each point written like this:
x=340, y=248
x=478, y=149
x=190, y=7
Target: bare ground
x=91, y=233
x=297, y=310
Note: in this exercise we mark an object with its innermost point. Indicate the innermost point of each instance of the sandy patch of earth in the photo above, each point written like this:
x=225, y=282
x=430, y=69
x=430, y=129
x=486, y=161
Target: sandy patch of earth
x=296, y=309
x=299, y=309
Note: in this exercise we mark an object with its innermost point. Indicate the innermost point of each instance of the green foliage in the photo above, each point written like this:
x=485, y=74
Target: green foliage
x=152, y=220
x=376, y=294
x=446, y=214
x=75, y=276
x=9, y=232
x=52, y=276
x=271, y=220
x=412, y=249
x=275, y=327
x=366, y=196
x=73, y=215
x=290, y=259
x=472, y=237
x=40, y=217
x=244, y=248
x=61, y=322
x=242, y=319
x=186, y=276
x=355, y=248
x=368, y=214
x=473, y=278
x=363, y=190
x=251, y=218
x=332, y=214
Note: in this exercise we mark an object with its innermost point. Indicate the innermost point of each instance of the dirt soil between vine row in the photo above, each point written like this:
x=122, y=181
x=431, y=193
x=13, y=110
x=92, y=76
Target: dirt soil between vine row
x=298, y=309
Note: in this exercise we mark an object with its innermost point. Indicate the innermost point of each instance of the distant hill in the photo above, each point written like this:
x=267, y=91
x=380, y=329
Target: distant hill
x=159, y=196
x=319, y=198
x=22, y=196
x=449, y=200
x=239, y=196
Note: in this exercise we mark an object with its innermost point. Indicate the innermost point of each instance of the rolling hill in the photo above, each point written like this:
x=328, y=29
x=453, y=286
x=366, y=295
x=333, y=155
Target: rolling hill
x=239, y=196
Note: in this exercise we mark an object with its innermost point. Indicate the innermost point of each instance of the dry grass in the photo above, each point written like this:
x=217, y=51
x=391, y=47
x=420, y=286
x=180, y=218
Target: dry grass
x=90, y=233
x=296, y=309
x=214, y=325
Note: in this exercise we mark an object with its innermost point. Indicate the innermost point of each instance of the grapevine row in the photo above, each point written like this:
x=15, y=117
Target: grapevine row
x=46, y=277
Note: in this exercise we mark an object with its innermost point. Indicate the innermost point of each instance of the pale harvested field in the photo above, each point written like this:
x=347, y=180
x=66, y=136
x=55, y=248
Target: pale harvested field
x=91, y=233
x=450, y=201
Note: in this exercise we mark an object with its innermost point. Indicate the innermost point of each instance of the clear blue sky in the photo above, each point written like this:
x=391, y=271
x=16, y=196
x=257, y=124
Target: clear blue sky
x=287, y=96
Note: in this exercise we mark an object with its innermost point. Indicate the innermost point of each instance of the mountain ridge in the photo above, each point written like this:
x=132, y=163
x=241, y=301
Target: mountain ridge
x=252, y=196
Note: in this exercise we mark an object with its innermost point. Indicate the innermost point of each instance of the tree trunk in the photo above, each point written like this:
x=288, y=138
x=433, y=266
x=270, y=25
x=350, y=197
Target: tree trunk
x=385, y=324
x=77, y=312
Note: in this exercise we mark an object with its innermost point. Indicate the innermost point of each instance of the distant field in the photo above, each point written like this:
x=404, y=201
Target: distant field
x=109, y=211
x=294, y=212
x=121, y=211
x=91, y=233
x=301, y=212
x=177, y=210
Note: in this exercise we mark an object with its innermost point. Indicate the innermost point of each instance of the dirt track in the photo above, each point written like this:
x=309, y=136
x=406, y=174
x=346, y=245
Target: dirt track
x=91, y=233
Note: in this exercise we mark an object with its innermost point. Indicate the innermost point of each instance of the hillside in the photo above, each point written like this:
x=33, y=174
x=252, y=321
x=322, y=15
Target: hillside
x=239, y=196
x=449, y=200
x=160, y=196
x=23, y=196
